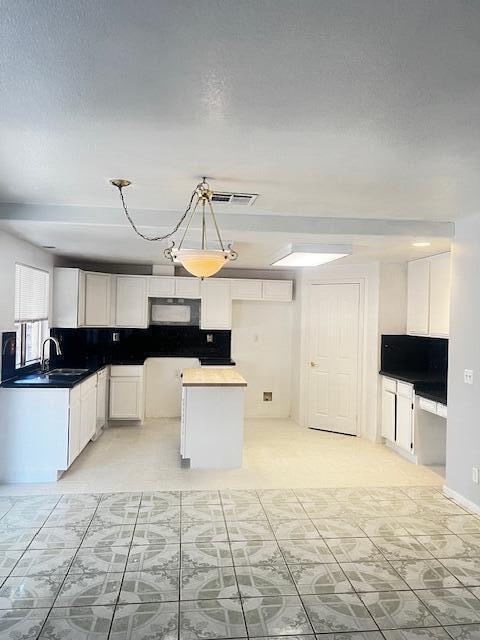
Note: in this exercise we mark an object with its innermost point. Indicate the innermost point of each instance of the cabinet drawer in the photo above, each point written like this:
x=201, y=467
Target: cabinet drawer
x=126, y=371
x=389, y=385
x=428, y=405
x=405, y=390
x=441, y=410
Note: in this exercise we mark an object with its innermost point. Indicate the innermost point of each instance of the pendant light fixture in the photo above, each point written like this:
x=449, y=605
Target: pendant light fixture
x=204, y=262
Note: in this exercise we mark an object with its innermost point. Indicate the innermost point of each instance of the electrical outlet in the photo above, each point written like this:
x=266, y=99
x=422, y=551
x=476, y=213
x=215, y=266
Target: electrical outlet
x=267, y=396
x=209, y=338
x=475, y=475
x=468, y=376
x=115, y=336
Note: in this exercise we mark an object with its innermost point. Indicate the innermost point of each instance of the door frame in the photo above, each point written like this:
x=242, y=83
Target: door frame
x=305, y=349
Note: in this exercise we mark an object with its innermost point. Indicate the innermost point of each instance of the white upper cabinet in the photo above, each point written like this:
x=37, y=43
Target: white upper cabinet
x=418, y=297
x=247, y=289
x=97, y=299
x=187, y=288
x=428, y=302
x=439, y=295
x=91, y=299
x=216, y=305
x=131, y=301
x=160, y=287
x=68, y=298
x=277, y=290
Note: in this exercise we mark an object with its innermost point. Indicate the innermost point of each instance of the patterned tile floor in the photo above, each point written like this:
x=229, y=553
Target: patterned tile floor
x=332, y=564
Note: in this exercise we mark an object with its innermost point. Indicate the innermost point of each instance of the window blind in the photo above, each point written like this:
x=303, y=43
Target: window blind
x=31, y=294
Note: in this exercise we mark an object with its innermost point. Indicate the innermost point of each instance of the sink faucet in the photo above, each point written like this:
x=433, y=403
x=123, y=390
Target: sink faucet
x=44, y=364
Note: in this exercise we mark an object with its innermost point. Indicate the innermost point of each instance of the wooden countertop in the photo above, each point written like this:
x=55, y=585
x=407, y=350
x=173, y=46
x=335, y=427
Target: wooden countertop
x=211, y=377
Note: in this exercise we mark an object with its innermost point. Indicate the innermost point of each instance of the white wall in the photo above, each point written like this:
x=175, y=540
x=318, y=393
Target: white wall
x=463, y=424
x=262, y=349
x=13, y=250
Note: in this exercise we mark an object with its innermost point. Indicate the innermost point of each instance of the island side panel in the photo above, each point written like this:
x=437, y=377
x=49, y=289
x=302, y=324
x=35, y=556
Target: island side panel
x=214, y=418
x=33, y=434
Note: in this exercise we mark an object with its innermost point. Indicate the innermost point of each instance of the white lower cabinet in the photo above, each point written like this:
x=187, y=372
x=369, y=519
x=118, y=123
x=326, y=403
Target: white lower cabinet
x=126, y=392
x=82, y=416
x=102, y=399
x=74, y=425
x=404, y=423
x=397, y=425
x=388, y=415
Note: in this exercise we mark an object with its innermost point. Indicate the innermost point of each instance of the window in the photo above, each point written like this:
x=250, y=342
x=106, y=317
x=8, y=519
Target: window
x=31, y=313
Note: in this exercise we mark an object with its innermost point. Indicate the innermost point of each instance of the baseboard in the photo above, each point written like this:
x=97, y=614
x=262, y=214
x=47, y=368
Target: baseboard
x=463, y=502
x=411, y=457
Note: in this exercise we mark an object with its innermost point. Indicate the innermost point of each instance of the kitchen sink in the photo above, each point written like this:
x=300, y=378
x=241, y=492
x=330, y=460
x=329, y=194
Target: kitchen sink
x=55, y=373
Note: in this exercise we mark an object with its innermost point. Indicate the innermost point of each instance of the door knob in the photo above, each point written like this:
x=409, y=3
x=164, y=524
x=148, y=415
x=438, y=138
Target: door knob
x=313, y=364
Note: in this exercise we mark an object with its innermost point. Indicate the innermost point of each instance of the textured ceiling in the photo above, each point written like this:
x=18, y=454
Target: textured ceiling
x=341, y=108
x=344, y=108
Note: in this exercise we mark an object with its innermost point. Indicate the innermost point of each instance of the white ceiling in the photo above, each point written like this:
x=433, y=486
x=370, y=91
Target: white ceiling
x=345, y=109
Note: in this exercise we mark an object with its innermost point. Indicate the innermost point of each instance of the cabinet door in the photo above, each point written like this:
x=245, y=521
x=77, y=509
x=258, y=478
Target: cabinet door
x=418, y=297
x=216, y=305
x=439, y=295
x=404, y=437
x=131, y=302
x=88, y=416
x=126, y=398
x=159, y=287
x=97, y=299
x=246, y=289
x=187, y=288
x=101, y=402
x=388, y=415
x=74, y=430
x=277, y=290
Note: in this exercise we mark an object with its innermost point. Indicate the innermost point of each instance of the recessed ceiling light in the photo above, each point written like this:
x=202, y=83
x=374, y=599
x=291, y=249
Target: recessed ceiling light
x=421, y=244
x=309, y=255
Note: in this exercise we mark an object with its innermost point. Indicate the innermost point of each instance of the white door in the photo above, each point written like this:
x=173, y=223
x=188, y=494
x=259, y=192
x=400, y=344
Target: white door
x=333, y=338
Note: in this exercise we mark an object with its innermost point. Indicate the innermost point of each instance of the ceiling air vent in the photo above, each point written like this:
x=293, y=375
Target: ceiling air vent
x=234, y=198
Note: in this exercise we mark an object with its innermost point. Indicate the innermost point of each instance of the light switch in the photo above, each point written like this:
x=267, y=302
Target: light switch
x=475, y=475
x=468, y=376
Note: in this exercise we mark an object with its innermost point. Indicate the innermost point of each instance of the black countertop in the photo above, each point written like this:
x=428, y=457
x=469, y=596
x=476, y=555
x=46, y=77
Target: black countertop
x=37, y=380
x=424, y=384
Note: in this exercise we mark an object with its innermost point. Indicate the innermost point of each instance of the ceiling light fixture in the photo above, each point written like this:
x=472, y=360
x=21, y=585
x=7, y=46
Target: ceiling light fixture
x=421, y=244
x=309, y=255
x=204, y=262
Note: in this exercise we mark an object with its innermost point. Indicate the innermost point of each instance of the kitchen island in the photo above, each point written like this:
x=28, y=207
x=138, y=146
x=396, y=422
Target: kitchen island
x=213, y=408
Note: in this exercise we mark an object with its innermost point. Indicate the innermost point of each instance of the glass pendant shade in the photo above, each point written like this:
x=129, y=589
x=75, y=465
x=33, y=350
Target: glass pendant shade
x=200, y=262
